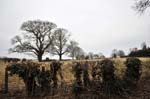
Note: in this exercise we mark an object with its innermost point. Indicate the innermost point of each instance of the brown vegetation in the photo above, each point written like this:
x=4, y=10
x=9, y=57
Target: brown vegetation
x=17, y=87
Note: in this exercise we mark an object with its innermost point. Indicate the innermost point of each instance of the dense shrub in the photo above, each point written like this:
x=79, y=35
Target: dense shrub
x=77, y=85
x=55, y=67
x=32, y=76
x=96, y=70
x=107, y=69
x=78, y=72
x=133, y=71
x=44, y=81
x=86, y=79
x=85, y=73
x=77, y=88
x=111, y=84
x=28, y=72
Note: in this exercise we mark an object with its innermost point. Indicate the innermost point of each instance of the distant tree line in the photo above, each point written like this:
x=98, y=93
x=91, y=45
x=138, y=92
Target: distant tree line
x=92, y=55
x=134, y=52
x=143, y=52
x=7, y=59
x=117, y=53
x=140, y=53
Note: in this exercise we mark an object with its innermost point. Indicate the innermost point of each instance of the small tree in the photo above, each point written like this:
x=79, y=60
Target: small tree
x=91, y=55
x=55, y=67
x=36, y=39
x=28, y=72
x=144, y=46
x=77, y=85
x=74, y=50
x=114, y=53
x=120, y=53
x=86, y=79
x=108, y=76
x=78, y=72
x=133, y=71
x=107, y=70
x=80, y=53
x=60, y=42
x=95, y=56
x=44, y=81
x=101, y=55
x=32, y=76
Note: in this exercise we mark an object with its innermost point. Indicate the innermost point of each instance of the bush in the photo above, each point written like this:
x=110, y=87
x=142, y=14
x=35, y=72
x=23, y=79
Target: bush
x=44, y=80
x=107, y=69
x=96, y=71
x=32, y=76
x=133, y=71
x=110, y=84
x=77, y=72
x=77, y=88
x=28, y=72
x=55, y=67
x=86, y=79
x=77, y=85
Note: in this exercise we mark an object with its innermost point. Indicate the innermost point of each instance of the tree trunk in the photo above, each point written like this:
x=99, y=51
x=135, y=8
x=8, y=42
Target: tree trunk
x=40, y=57
x=60, y=57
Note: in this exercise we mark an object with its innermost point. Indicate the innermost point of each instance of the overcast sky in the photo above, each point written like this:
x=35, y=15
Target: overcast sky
x=98, y=25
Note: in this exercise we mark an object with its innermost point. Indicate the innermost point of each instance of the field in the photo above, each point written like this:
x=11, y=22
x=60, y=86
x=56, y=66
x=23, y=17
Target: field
x=16, y=85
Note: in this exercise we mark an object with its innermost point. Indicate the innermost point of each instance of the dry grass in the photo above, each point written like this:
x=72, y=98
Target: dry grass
x=15, y=81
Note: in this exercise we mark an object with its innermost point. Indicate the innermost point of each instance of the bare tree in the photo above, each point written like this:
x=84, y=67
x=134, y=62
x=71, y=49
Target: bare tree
x=73, y=49
x=120, y=53
x=80, y=54
x=60, y=42
x=91, y=55
x=95, y=56
x=114, y=53
x=98, y=55
x=101, y=55
x=144, y=46
x=133, y=49
x=141, y=5
x=36, y=39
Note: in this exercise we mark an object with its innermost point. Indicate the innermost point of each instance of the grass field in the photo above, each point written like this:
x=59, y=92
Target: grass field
x=17, y=83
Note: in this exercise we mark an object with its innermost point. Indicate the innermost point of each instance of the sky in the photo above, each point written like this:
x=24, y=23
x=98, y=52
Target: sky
x=97, y=25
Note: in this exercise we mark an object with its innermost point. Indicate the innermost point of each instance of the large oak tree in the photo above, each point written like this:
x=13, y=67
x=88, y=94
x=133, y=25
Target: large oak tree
x=36, y=39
